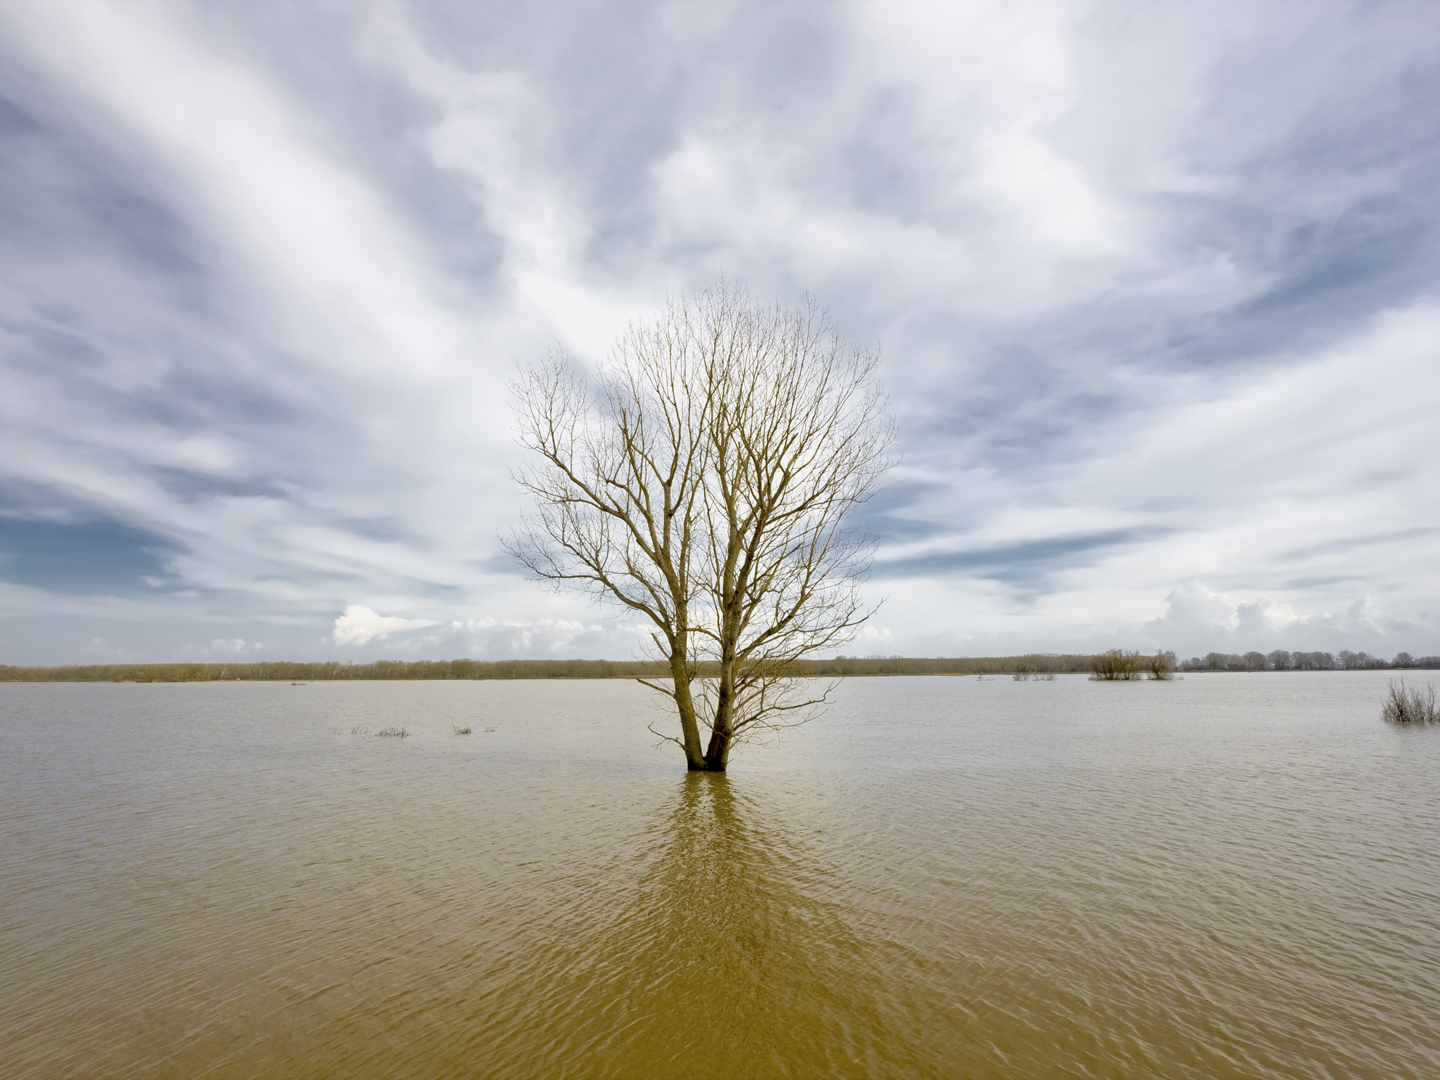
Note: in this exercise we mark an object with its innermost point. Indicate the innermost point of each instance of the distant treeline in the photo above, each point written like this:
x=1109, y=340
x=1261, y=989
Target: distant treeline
x=285, y=671
x=1034, y=663
x=1280, y=660
x=289, y=671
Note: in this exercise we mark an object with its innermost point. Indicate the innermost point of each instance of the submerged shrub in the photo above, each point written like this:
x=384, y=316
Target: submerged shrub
x=393, y=732
x=1161, y=665
x=1115, y=665
x=1410, y=706
x=458, y=730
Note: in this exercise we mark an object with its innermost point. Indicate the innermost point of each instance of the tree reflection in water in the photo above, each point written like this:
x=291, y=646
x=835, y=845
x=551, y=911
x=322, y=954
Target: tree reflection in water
x=725, y=965
x=740, y=972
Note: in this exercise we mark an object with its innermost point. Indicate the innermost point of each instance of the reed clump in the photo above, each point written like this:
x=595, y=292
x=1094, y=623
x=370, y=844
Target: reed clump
x=1410, y=706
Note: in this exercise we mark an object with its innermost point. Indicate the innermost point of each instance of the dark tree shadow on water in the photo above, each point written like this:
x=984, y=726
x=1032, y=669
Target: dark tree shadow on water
x=728, y=962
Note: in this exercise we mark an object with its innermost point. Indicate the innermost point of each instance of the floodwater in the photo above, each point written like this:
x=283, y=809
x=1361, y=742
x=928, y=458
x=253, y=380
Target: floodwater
x=1222, y=876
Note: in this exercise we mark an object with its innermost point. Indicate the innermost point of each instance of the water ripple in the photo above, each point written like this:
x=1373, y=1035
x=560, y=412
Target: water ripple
x=1224, y=876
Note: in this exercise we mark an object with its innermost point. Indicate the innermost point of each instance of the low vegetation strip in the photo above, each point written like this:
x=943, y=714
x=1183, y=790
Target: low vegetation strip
x=290, y=671
x=286, y=671
x=1030, y=664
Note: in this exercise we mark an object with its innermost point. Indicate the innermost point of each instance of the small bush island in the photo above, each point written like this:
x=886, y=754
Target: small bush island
x=1119, y=665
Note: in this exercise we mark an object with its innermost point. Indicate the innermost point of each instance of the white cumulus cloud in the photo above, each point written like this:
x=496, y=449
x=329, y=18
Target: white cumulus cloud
x=360, y=624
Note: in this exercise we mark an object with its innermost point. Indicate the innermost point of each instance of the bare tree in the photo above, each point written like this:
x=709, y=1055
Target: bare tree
x=703, y=482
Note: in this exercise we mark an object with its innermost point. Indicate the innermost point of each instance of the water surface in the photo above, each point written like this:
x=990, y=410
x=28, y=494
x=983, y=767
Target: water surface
x=1227, y=875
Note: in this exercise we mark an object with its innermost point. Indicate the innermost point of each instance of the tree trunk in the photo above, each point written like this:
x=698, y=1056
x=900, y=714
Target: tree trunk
x=685, y=704
x=717, y=754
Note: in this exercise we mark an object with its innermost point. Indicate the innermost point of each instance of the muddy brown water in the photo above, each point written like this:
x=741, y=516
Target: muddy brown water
x=1225, y=876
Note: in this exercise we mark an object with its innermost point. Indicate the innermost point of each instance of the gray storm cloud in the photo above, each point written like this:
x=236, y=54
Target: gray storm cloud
x=1156, y=287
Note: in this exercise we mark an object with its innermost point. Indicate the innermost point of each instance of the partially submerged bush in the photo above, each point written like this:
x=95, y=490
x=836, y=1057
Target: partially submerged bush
x=459, y=730
x=1115, y=665
x=1122, y=665
x=1410, y=706
x=393, y=732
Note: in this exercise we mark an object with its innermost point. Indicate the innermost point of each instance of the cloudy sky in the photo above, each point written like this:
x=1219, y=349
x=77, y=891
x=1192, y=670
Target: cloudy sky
x=1157, y=287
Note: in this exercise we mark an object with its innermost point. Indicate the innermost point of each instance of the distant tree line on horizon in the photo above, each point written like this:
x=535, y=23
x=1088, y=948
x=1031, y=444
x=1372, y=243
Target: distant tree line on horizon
x=328, y=671
x=1280, y=660
x=336, y=671
x=840, y=666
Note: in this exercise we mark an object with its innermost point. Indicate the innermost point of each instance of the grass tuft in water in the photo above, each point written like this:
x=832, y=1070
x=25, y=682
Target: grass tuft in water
x=393, y=732
x=1411, y=706
x=458, y=730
